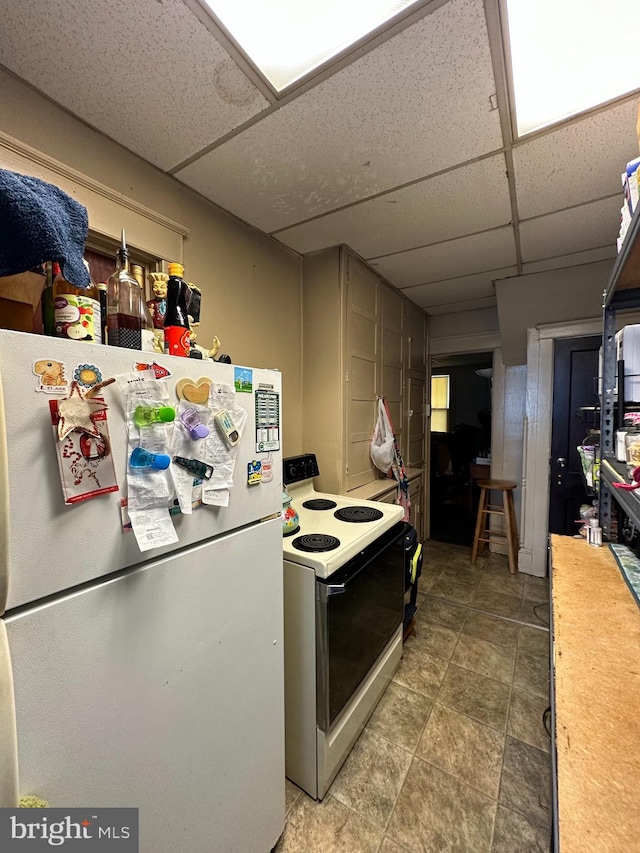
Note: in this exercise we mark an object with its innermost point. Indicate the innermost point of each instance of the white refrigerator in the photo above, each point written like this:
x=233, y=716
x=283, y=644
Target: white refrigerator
x=146, y=679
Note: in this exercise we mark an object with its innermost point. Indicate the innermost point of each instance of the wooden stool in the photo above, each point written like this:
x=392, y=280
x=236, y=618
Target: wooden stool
x=506, y=509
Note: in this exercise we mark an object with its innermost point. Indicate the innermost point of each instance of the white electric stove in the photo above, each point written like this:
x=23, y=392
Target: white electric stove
x=333, y=528
x=344, y=576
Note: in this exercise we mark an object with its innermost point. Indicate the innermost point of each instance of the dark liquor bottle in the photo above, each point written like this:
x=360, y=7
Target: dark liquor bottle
x=176, y=321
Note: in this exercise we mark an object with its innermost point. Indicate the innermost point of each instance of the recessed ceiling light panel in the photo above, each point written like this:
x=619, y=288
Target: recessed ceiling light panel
x=568, y=56
x=287, y=39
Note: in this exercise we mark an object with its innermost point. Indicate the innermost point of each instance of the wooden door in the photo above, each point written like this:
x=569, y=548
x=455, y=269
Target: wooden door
x=575, y=373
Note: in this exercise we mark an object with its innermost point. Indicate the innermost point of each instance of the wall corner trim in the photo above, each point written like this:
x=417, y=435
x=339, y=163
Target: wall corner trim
x=16, y=146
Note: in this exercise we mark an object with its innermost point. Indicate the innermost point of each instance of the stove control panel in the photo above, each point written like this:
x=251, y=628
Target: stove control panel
x=297, y=468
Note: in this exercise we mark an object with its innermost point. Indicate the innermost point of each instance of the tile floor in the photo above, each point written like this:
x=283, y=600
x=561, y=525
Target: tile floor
x=455, y=757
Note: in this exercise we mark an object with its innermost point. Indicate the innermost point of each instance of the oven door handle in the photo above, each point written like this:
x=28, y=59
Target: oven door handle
x=335, y=588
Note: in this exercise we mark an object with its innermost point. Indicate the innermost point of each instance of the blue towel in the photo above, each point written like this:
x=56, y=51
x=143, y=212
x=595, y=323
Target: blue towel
x=39, y=222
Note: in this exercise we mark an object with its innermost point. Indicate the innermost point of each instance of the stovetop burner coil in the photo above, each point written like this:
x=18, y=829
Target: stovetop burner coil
x=316, y=542
x=357, y=514
x=319, y=503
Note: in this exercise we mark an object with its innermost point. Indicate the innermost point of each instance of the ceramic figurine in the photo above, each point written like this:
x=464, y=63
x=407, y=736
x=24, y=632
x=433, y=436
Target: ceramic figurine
x=158, y=305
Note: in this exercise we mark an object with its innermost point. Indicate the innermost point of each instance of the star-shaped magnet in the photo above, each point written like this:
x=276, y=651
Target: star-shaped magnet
x=78, y=412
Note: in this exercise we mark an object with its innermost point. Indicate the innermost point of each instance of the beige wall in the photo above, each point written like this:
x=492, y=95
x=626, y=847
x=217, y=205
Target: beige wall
x=251, y=296
x=555, y=296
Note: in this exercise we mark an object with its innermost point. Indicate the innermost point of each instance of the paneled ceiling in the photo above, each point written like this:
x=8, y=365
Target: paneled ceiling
x=402, y=149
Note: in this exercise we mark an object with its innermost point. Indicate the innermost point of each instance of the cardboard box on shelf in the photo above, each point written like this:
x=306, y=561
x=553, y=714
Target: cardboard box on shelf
x=20, y=302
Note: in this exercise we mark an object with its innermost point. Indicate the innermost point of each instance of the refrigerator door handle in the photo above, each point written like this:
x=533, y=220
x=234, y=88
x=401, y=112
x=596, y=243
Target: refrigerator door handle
x=335, y=588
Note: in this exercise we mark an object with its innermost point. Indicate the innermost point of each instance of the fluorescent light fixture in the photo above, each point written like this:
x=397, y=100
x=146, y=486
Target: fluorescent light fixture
x=286, y=39
x=571, y=55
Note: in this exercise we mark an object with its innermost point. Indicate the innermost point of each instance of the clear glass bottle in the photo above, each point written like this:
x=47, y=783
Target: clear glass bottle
x=76, y=310
x=127, y=312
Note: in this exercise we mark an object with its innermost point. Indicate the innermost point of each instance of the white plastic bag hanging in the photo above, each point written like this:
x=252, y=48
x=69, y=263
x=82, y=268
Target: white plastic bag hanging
x=382, y=442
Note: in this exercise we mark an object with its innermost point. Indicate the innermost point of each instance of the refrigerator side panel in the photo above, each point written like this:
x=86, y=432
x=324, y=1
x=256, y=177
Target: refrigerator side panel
x=54, y=546
x=8, y=741
x=164, y=691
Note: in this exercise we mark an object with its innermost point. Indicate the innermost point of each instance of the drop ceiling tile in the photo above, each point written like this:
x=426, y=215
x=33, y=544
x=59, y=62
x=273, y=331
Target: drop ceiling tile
x=148, y=73
x=589, y=226
x=417, y=104
x=460, y=289
x=455, y=307
x=468, y=199
x=573, y=260
x=466, y=256
x=576, y=163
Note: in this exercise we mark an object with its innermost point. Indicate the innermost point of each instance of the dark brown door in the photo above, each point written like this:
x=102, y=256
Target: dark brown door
x=575, y=396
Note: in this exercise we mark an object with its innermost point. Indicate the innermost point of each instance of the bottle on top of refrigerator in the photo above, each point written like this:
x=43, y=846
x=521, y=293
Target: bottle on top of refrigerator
x=47, y=301
x=127, y=313
x=176, y=321
x=76, y=310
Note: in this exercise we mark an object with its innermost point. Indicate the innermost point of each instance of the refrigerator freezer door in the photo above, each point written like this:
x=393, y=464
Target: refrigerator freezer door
x=163, y=690
x=51, y=546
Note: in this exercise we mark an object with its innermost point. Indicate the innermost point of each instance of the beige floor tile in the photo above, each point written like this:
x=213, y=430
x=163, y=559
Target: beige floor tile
x=485, y=658
x=400, y=716
x=389, y=846
x=525, y=719
x=497, y=604
x=535, y=613
x=371, y=777
x=441, y=612
x=420, y=671
x=491, y=628
x=453, y=590
x=526, y=781
x=484, y=699
x=513, y=832
x=534, y=641
x=468, y=575
x=436, y=640
x=536, y=589
x=437, y=814
x=503, y=582
x=464, y=748
x=532, y=673
x=291, y=794
x=328, y=826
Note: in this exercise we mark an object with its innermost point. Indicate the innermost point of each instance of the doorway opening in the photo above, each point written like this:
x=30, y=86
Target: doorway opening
x=460, y=442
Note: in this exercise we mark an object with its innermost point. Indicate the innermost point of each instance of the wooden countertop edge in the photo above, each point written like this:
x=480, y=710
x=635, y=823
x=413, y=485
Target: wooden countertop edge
x=377, y=488
x=597, y=693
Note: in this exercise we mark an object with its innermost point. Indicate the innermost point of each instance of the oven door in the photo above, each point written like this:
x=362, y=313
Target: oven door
x=358, y=609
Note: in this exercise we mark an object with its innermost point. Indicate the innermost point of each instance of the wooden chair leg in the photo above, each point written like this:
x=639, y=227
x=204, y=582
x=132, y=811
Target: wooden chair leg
x=512, y=543
x=479, y=525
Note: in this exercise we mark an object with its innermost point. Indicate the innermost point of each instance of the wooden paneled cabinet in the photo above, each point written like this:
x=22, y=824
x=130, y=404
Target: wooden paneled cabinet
x=361, y=338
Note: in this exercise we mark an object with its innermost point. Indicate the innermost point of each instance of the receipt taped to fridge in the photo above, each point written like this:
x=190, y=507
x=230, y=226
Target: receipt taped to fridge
x=153, y=528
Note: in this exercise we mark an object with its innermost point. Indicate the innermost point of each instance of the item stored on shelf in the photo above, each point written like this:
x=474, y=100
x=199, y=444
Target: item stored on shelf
x=176, y=321
x=76, y=310
x=127, y=313
x=632, y=449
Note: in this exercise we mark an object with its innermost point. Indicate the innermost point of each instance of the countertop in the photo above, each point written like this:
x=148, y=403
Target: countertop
x=372, y=491
x=596, y=624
